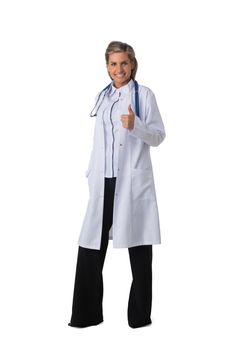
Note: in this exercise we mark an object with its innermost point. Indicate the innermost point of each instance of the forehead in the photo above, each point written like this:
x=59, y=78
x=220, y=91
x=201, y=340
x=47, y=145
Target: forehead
x=118, y=57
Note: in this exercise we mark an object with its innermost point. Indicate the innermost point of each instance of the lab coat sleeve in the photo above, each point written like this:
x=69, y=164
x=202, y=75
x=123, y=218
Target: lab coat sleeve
x=149, y=128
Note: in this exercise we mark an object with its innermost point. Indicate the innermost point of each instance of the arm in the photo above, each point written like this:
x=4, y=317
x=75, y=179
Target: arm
x=149, y=128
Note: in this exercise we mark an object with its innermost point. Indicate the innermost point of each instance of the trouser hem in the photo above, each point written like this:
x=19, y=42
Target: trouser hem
x=84, y=325
x=140, y=324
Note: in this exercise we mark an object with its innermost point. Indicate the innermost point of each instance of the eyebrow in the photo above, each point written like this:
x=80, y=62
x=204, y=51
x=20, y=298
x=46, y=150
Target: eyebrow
x=125, y=61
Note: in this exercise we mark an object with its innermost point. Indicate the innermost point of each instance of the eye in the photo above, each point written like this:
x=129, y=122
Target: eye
x=125, y=63
x=113, y=64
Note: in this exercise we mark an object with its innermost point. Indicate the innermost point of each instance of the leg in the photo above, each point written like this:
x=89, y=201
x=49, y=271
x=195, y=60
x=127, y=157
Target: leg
x=140, y=298
x=88, y=288
x=87, y=297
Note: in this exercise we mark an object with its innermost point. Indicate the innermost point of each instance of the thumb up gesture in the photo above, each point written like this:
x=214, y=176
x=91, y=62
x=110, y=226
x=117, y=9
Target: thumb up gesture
x=128, y=119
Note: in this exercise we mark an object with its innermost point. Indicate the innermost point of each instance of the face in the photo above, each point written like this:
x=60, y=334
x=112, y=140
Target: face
x=119, y=68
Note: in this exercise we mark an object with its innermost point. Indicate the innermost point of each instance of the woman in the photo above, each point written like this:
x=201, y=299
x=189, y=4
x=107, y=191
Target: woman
x=122, y=204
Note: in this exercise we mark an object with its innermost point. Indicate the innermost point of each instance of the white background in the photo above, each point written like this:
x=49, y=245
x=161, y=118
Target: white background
x=52, y=65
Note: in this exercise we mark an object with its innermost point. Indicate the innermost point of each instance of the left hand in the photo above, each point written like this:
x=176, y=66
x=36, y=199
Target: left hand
x=128, y=119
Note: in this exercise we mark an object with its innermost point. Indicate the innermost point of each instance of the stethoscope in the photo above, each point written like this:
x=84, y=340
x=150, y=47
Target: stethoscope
x=103, y=93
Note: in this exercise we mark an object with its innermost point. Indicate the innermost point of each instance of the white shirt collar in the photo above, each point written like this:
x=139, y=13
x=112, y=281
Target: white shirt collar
x=123, y=89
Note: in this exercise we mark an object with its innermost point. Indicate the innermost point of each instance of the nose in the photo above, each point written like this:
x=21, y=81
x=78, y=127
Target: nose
x=119, y=68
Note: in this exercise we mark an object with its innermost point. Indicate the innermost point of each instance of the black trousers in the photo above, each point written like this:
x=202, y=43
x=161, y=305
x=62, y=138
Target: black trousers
x=88, y=287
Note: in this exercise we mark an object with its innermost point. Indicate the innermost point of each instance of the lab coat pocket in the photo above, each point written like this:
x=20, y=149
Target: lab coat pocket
x=87, y=172
x=89, y=164
x=88, y=176
x=142, y=184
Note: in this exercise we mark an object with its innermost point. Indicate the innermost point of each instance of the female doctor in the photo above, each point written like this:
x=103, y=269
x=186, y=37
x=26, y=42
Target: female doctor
x=122, y=203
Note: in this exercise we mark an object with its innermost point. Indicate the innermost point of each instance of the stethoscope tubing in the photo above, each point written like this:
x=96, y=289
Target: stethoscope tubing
x=103, y=93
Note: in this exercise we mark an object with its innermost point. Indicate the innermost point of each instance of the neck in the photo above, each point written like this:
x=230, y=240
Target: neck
x=119, y=86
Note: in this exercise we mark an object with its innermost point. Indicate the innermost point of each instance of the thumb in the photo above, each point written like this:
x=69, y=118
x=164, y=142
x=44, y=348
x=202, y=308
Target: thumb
x=130, y=110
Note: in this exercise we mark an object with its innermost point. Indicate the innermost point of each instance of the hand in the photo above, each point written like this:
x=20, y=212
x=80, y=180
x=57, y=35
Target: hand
x=128, y=119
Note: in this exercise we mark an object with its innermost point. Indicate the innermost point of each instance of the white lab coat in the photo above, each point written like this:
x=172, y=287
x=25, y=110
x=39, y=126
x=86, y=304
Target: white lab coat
x=135, y=213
